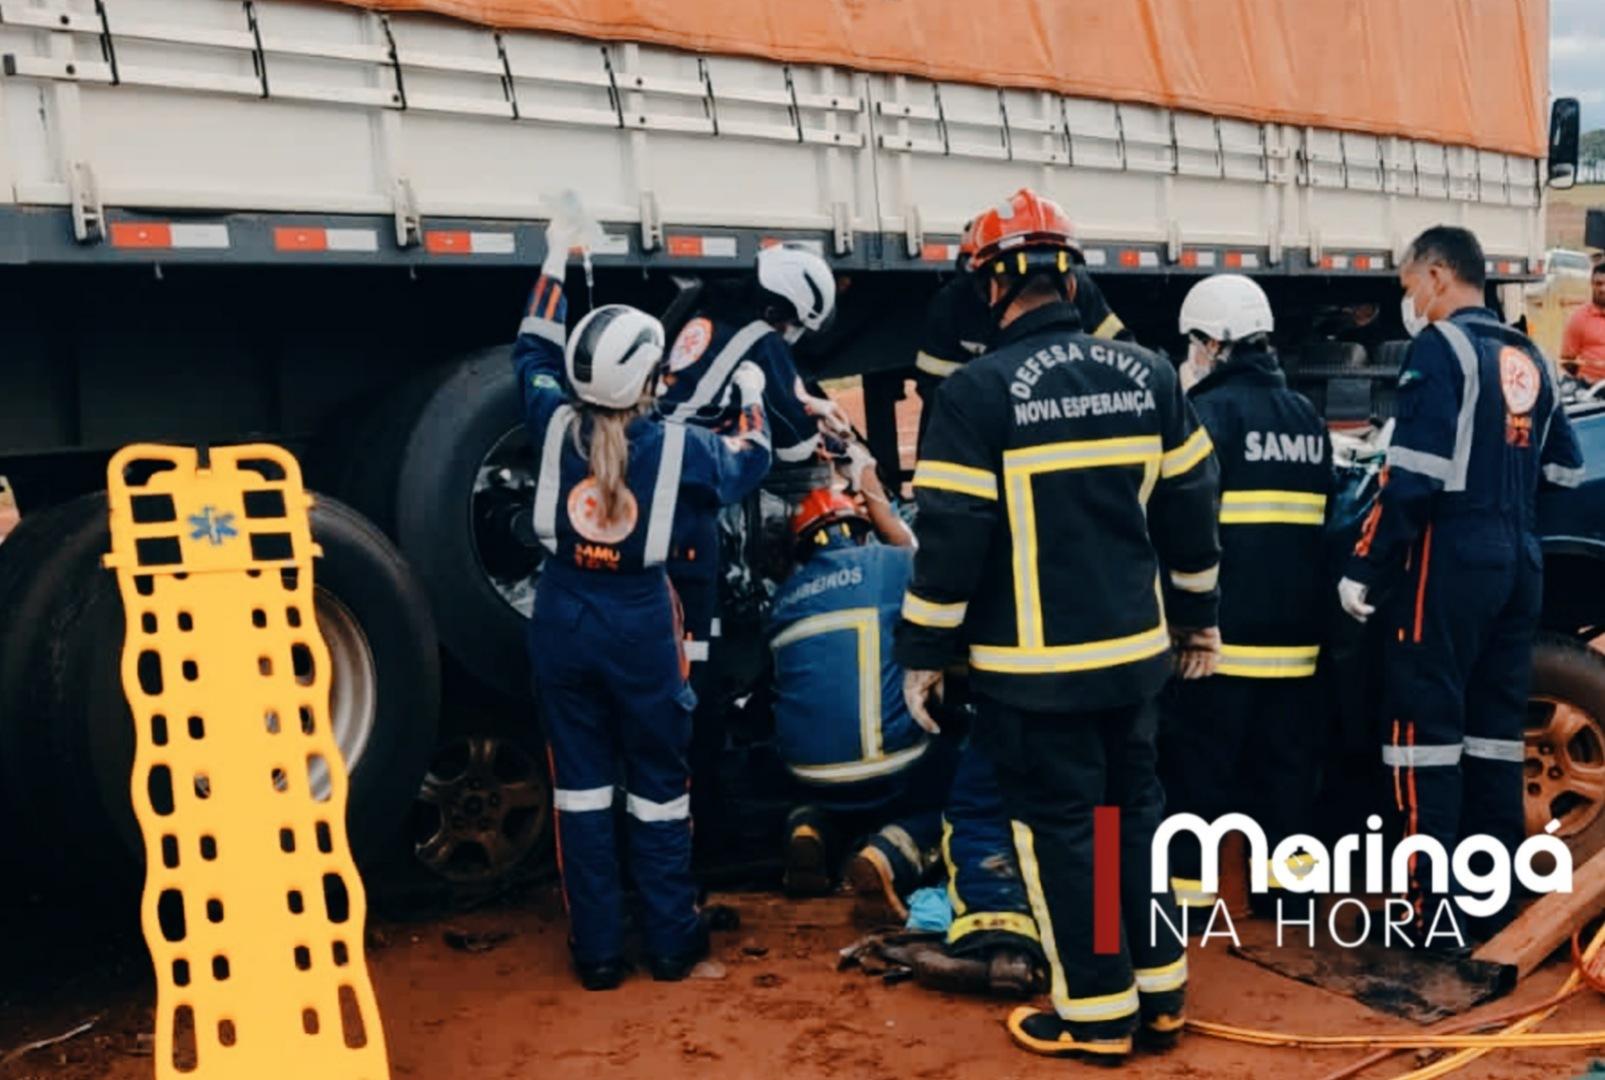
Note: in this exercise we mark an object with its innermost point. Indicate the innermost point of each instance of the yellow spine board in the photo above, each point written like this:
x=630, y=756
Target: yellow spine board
x=253, y=909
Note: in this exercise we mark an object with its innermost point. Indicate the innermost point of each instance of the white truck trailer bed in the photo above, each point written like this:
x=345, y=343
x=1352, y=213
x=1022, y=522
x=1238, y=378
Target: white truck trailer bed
x=279, y=131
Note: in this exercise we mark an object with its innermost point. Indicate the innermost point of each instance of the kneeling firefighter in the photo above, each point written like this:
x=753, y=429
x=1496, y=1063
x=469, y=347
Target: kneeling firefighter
x=1243, y=739
x=616, y=488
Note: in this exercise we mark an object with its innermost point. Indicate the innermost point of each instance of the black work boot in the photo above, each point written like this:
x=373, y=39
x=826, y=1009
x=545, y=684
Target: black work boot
x=677, y=966
x=1044, y=1033
x=605, y=975
x=807, y=854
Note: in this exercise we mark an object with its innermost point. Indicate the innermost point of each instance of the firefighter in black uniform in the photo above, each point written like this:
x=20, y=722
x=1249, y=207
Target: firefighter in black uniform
x=1060, y=471
x=1241, y=740
x=959, y=323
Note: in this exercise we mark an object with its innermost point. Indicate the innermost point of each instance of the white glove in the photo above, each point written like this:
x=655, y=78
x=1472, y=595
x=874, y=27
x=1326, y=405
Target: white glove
x=919, y=687
x=749, y=382
x=560, y=237
x=1351, y=594
x=858, y=459
x=832, y=418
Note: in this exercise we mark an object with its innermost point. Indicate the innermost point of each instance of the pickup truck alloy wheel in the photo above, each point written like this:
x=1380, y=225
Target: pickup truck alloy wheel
x=353, y=684
x=1564, y=767
x=484, y=806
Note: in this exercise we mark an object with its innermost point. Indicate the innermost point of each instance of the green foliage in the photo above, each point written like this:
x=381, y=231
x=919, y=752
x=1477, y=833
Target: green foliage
x=1592, y=146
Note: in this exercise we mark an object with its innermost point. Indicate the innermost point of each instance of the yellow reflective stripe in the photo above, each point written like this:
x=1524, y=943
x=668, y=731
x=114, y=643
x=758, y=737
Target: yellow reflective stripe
x=935, y=365
x=1025, y=848
x=1201, y=582
x=1188, y=454
x=1190, y=893
x=1102, y=1007
x=1109, y=327
x=1082, y=454
x=1057, y=659
x=1012, y=922
x=1268, y=661
x=953, y=896
x=1272, y=508
x=1298, y=866
x=865, y=622
x=1159, y=980
x=849, y=772
x=947, y=476
x=928, y=613
x=1020, y=467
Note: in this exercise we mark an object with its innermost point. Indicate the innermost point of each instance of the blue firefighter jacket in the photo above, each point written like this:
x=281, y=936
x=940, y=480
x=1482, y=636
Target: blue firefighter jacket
x=839, y=711
x=677, y=476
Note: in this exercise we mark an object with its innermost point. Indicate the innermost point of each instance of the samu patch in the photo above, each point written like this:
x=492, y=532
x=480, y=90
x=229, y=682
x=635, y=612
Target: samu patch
x=691, y=344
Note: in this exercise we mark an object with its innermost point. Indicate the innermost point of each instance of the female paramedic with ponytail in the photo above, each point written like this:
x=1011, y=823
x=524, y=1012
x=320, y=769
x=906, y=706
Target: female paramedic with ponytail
x=616, y=485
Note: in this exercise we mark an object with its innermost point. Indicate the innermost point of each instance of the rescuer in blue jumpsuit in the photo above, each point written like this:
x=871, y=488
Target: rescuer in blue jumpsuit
x=616, y=487
x=791, y=292
x=1451, y=554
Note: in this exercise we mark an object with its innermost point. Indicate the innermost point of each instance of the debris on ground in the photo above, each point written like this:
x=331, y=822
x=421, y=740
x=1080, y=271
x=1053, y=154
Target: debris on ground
x=472, y=942
x=54, y=1040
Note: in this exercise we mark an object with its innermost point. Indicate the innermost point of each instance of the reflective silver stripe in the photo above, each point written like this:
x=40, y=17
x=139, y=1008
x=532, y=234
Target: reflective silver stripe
x=1421, y=756
x=546, y=329
x=1421, y=462
x=929, y=613
x=1272, y=508
x=1495, y=749
x=1563, y=476
x=1106, y=1007
x=1471, y=385
x=801, y=452
x=551, y=477
x=935, y=365
x=948, y=476
x=898, y=837
x=1161, y=979
x=711, y=387
x=572, y=801
x=1201, y=582
x=849, y=771
x=696, y=651
x=647, y=810
x=716, y=628
x=665, y=493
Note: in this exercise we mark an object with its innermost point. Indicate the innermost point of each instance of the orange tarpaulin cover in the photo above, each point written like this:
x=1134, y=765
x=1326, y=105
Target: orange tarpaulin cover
x=1470, y=72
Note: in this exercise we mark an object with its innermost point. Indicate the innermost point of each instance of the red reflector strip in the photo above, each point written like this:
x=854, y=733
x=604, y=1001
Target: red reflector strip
x=462, y=242
x=141, y=234
x=1513, y=268
x=1128, y=257
x=1362, y=262
x=702, y=247
x=945, y=253
x=1195, y=258
x=290, y=238
x=1234, y=260
x=162, y=234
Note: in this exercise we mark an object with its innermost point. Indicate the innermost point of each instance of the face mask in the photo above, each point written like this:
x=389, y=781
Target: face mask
x=1413, y=323
x=793, y=334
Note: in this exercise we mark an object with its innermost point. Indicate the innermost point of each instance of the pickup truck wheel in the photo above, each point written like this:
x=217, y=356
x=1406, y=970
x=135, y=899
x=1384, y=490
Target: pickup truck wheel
x=384, y=693
x=463, y=519
x=1565, y=762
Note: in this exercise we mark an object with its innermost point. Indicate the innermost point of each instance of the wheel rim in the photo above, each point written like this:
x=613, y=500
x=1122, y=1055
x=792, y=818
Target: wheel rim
x=1564, y=767
x=484, y=806
x=353, y=686
x=500, y=512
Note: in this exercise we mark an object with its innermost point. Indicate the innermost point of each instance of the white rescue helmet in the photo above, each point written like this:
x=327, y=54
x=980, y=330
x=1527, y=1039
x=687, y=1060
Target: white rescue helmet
x=612, y=353
x=1226, y=308
x=800, y=278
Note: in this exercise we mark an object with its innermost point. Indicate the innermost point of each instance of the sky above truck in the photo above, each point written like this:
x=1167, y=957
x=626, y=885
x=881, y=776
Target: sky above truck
x=1576, y=45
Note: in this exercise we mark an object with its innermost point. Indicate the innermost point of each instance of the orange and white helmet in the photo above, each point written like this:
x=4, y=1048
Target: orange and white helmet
x=1024, y=234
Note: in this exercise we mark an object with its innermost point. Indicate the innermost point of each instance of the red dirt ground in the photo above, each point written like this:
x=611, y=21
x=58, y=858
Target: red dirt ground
x=780, y=1009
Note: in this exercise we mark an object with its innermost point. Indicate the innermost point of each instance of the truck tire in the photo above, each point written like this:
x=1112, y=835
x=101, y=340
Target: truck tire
x=32, y=569
x=458, y=534
x=1565, y=764
x=385, y=697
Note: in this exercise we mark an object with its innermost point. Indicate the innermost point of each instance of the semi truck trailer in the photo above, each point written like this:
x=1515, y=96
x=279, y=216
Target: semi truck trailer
x=314, y=223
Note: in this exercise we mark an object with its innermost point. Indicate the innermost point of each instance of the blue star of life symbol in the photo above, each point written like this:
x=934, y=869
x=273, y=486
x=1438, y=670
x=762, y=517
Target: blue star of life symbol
x=211, y=526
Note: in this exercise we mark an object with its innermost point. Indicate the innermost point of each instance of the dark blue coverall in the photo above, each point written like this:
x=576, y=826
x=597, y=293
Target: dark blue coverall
x=1450, y=554
x=605, y=645
x=844, y=731
x=697, y=392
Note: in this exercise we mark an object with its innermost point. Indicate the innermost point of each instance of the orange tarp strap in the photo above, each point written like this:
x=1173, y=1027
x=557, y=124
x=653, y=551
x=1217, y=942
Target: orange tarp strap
x=1466, y=72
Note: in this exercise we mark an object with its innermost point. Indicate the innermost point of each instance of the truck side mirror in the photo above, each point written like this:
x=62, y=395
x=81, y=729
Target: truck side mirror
x=1565, y=133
